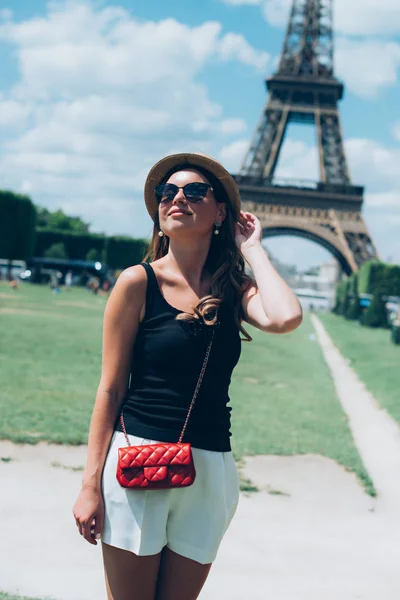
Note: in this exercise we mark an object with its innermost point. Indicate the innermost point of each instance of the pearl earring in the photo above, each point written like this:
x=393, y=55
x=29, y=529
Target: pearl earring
x=161, y=233
x=217, y=226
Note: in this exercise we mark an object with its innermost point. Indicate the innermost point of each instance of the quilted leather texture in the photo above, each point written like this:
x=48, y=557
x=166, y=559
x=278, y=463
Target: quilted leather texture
x=156, y=466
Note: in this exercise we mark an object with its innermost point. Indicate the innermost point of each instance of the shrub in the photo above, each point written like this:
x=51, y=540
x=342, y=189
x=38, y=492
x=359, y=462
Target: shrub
x=93, y=255
x=376, y=314
x=354, y=310
x=56, y=250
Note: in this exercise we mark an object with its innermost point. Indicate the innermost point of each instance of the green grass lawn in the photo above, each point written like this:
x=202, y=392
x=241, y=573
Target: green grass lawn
x=50, y=363
x=372, y=355
x=282, y=394
x=8, y=597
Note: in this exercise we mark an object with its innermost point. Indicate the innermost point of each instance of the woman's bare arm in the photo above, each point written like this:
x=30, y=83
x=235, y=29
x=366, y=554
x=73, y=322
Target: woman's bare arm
x=269, y=304
x=124, y=311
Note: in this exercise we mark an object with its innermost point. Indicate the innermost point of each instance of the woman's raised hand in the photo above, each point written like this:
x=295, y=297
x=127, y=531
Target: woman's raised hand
x=248, y=231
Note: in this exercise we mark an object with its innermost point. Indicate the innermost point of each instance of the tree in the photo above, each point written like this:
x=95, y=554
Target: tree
x=346, y=299
x=60, y=221
x=17, y=227
x=56, y=250
x=93, y=255
x=354, y=310
x=376, y=314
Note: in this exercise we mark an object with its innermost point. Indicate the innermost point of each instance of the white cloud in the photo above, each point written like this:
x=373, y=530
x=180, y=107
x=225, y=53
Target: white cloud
x=5, y=14
x=298, y=161
x=234, y=46
x=232, y=155
x=373, y=164
x=232, y=126
x=367, y=17
x=100, y=98
x=80, y=50
x=276, y=12
x=396, y=131
x=367, y=66
x=13, y=114
x=389, y=200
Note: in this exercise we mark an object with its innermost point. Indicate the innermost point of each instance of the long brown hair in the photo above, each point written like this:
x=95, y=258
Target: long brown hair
x=224, y=262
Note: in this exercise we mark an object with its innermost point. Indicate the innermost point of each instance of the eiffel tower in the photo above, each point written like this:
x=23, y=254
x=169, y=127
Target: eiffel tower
x=305, y=90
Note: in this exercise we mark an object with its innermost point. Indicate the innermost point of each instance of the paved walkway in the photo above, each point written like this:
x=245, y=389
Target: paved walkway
x=311, y=533
x=375, y=433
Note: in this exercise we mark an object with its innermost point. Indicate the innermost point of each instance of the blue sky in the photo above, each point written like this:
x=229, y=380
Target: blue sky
x=93, y=93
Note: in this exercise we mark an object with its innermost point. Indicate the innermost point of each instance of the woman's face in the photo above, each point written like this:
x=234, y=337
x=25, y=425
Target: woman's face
x=179, y=216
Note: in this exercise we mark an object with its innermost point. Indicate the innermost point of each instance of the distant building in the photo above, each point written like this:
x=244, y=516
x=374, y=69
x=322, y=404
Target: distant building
x=315, y=287
x=313, y=300
x=319, y=281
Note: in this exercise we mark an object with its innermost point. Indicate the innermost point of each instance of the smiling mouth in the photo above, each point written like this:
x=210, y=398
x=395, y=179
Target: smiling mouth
x=178, y=212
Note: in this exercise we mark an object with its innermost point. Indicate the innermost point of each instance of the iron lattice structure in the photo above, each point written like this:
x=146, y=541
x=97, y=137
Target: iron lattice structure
x=305, y=90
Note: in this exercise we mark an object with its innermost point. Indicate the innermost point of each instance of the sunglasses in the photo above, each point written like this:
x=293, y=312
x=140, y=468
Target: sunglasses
x=193, y=192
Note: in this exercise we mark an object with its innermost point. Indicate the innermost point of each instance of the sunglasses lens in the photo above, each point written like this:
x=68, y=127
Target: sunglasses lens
x=196, y=192
x=166, y=191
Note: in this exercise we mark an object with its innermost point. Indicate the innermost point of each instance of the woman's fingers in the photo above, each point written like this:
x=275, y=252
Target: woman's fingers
x=78, y=526
x=98, y=526
x=87, y=529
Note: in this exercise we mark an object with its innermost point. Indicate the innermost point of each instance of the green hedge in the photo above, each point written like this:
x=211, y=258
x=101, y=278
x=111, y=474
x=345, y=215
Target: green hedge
x=17, y=226
x=119, y=252
x=376, y=278
x=122, y=252
x=342, y=291
x=376, y=314
x=375, y=275
x=354, y=309
x=77, y=245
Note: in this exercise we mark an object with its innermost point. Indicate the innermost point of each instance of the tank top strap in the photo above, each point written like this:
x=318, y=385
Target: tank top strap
x=153, y=294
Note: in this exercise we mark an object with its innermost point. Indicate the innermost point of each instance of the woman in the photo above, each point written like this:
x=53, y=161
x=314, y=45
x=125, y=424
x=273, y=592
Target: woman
x=157, y=325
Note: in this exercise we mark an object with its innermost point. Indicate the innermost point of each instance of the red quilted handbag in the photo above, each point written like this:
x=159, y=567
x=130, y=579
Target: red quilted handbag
x=163, y=465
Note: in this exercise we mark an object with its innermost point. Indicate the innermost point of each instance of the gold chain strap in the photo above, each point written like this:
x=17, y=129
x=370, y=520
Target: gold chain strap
x=196, y=391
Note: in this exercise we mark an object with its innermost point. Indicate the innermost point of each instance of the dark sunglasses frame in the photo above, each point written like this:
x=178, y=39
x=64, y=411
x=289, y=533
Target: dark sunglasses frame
x=199, y=191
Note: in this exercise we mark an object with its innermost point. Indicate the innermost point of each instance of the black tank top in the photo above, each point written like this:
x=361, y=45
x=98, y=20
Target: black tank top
x=166, y=362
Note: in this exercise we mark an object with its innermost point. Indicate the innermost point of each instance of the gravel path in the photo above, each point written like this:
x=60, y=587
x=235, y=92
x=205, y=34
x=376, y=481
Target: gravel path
x=375, y=433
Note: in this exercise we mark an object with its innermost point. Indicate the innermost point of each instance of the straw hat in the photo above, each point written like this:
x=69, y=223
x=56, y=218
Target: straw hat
x=184, y=160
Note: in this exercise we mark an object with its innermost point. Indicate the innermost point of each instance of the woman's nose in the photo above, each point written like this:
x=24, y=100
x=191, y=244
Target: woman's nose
x=180, y=196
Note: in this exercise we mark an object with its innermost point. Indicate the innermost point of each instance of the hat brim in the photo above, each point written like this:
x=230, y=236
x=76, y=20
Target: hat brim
x=188, y=159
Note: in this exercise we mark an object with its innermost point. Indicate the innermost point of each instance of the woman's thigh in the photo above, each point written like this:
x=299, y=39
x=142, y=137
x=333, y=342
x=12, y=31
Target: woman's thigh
x=180, y=578
x=128, y=576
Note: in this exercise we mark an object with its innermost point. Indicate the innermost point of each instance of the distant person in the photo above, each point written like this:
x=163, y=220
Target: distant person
x=68, y=280
x=162, y=318
x=55, y=277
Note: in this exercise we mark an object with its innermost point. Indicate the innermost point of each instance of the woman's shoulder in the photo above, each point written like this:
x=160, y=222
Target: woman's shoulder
x=133, y=277
x=130, y=286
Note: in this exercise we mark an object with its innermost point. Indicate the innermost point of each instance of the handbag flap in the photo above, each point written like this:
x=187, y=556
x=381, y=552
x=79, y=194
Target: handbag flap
x=155, y=473
x=154, y=455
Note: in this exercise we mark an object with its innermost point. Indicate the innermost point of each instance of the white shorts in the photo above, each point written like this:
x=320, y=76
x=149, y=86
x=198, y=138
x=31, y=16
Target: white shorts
x=190, y=521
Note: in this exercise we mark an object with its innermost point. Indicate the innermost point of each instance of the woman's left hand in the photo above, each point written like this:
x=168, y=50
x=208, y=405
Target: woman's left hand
x=248, y=231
